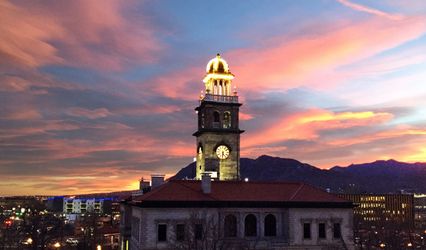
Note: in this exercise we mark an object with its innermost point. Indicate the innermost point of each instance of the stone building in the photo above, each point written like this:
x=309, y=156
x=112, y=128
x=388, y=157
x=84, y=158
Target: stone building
x=219, y=211
x=236, y=215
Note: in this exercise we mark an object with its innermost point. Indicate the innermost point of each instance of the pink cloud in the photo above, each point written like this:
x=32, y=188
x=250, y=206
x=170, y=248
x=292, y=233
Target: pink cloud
x=78, y=33
x=91, y=114
x=307, y=125
x=314, y=60
x=308, y=60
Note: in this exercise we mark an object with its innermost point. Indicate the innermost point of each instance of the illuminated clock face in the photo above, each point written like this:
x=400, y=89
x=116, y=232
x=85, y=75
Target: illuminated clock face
x=222, y=152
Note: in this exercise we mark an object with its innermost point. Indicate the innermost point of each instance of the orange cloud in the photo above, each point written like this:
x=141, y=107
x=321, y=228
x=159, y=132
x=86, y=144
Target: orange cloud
x=307, y=125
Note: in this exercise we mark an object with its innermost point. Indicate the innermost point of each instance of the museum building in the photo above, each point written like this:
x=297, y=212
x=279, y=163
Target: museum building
x=217, y=210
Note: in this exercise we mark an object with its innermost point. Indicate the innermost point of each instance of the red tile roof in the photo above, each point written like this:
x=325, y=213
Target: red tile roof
x=238, y=191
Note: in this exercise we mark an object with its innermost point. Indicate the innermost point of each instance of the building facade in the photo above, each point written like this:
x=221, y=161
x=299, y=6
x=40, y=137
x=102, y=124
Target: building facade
x=382, y=209
x=236, y=215
x=83, y=205
x=420, y=212
x=218, y=210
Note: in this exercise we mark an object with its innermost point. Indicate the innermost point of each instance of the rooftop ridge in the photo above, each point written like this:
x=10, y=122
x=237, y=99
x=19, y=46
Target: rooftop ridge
x=197, y=191
x=248, y=182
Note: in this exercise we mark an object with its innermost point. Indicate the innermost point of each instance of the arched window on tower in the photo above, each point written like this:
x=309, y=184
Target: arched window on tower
x=227, y=120
x=250, y=226
x=215, y=88
x=216, y=119
x=230, y=226
x=270, y=225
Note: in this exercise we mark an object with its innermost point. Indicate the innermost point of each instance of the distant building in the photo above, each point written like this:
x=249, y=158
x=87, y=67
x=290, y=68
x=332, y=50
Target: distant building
x=55, y=204
x=86, y=205
x=382, y=209
x=420, y=211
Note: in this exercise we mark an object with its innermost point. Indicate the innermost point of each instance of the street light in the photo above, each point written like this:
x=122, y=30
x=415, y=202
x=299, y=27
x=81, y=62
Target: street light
x=382, y=245
x=409, y=244
x=29, y=241
x=98, y=247
x=57, y=245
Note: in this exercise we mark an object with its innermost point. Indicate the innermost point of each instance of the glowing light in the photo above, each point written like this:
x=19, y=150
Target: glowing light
x=246, y=179
x=98, y=247
x=29, y=241
x=215, y=63
x=228, y=76
x=382, y=245
x=409, y=244
x=57, y=245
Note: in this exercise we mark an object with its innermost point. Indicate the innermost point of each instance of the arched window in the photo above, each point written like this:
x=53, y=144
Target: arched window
x=270, y=225
x=250, y=226
x=216, y=116
x=230, y=226
x=227, y=119
x=216, y=119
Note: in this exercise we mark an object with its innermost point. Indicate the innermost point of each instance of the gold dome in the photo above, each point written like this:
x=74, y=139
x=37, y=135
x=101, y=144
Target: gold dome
x=217, y=65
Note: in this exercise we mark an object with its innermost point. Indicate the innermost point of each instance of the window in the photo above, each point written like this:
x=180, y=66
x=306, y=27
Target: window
x=306, y=230
x=216, y=119
x=180, y=232
x=321, y=231
x=230, y=226
x=135, y=228
x=227, y=120
x=270, y=225
x=198, y=231
x=250, y=225
x=336, y=230
x=162, y=232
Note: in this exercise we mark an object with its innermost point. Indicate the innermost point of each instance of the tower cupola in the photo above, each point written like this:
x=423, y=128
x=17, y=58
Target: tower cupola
x=218, y=77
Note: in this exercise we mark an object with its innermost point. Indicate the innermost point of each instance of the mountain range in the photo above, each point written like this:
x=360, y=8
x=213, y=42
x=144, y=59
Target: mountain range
x=388, y=176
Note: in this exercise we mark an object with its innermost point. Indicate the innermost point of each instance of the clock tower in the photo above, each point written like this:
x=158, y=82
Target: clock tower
x=218, y=134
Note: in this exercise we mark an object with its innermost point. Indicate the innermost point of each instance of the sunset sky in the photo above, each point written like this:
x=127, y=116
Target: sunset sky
x=96, y=94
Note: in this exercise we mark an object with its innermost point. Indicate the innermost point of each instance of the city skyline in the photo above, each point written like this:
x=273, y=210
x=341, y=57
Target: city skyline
x=94, y=96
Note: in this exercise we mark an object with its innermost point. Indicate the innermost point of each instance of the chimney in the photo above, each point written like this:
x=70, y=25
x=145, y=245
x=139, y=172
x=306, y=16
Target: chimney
x=143, y=184
x=157, y=180
x=206, y=183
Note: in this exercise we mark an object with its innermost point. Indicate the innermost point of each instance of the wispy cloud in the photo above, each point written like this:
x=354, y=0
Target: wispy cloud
x=363, y=8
